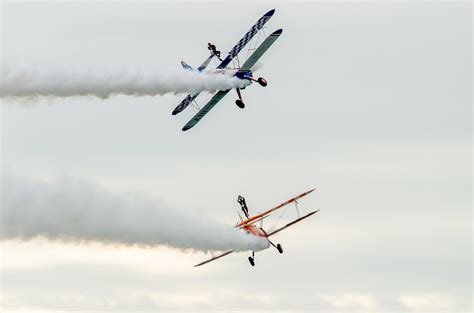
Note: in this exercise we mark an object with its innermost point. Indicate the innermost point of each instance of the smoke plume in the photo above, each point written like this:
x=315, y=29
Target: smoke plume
x=74, y=210
x=24, y=83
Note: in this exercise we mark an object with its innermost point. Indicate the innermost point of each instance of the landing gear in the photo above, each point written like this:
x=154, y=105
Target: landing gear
x=239, y=101
x=278, y=246
x=252, y=259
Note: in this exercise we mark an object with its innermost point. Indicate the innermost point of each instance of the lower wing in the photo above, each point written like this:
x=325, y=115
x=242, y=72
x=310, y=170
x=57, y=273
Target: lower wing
x=214, y=258
x=257, y=54
x=291, y=223
x=199, y=115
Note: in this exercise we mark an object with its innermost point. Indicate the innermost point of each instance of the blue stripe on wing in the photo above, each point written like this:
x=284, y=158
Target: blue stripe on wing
x=247, y=37
x=184, y=104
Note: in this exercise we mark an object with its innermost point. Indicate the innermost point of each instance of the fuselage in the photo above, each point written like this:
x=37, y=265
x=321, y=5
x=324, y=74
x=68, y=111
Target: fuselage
x=239, y=73
x=255, y=231
x=242, y=74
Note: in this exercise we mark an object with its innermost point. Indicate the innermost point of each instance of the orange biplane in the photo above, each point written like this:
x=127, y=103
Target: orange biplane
x=249, y=225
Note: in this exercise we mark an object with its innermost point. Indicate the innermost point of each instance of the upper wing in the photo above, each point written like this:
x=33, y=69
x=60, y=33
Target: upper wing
x=190, y=98
x=214, y=258
x=247, y=37
x=257, y=54
x=264, y=214
x=291, y=223
x=199, y=115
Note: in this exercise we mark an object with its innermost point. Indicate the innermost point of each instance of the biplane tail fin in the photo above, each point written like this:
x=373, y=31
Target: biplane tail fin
x=201, y=67
x=186, y=66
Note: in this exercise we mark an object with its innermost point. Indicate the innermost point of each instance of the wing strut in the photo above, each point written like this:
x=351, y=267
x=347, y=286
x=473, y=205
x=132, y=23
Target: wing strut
x=257, y=54
x=291, y=223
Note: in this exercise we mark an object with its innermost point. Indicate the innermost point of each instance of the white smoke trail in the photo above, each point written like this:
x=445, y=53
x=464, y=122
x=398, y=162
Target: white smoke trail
x=21, y=83
x=72, y=210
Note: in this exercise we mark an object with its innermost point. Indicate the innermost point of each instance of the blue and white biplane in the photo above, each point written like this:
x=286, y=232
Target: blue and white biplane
x=242, y=72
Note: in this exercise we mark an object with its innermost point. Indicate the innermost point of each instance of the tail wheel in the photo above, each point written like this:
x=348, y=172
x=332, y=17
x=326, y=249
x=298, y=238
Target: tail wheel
x=251, y=260
x=279, y=248
x=262, y=81
x=240, y=103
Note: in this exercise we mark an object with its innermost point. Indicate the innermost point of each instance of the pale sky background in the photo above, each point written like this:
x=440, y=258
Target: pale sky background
x=368, y=102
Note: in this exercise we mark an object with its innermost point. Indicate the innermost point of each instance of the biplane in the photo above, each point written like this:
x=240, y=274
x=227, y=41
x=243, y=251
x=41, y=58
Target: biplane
x=249, y=225
x=243, y=72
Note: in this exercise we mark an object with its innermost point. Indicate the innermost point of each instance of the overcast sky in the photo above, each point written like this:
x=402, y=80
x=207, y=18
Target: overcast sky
x=368, y=102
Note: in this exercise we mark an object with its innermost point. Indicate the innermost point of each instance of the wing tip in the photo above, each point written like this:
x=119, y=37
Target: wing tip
x=187, y=127
x=270, y=13
x=309, y=191
x=277, y=32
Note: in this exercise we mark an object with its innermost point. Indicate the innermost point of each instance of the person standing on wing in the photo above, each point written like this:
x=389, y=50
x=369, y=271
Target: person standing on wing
x=243, y=205
x=214, y=50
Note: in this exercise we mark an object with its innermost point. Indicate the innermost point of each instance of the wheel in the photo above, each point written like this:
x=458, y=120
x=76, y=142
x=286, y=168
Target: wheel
x=279, y=248
x=252, y=262
x=262, y=81
x=240, y=103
